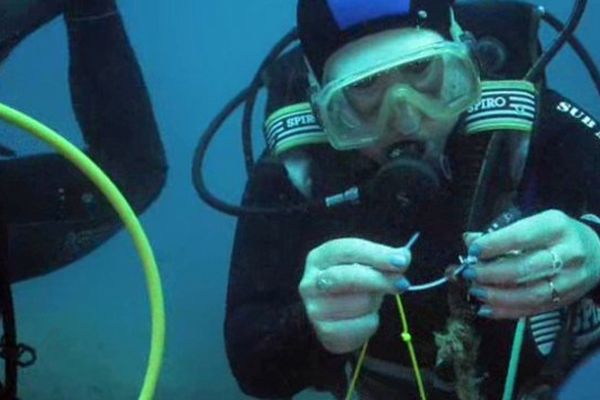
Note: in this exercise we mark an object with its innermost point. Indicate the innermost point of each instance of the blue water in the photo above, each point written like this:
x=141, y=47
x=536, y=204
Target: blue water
x=90, y=322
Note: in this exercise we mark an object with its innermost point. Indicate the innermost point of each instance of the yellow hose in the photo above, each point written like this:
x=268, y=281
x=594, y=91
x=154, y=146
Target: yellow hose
x=127, y=215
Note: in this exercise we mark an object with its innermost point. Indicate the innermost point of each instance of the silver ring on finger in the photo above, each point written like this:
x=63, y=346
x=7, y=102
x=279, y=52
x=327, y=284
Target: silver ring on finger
x=554, y=295
x=322, y=283
x=557, y=262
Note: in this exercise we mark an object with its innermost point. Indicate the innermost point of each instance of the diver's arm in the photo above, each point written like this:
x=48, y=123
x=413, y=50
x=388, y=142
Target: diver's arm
x=111, y=101
x=55, y=215
x=579, y=144
x=271, y=346
x=566, y=152
x=589, y=161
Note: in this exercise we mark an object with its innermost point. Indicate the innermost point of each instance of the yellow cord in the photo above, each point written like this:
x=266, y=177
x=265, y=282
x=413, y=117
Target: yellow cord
x=359, y=364
x=127, y=215
x=407, y=338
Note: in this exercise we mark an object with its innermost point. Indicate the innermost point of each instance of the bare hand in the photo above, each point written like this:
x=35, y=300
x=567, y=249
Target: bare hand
x=535, y=265
x=343, y=286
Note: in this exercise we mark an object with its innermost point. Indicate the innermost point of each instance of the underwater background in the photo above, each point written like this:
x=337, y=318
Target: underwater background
x=90, y=322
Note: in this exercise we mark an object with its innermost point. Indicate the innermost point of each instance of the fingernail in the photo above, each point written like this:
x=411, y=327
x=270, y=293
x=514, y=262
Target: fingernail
x=402, y=285
x=479, y=293
x=475, y=250
x=485, y=312
x=469, y=274
x=399, y=260
x=469, y=237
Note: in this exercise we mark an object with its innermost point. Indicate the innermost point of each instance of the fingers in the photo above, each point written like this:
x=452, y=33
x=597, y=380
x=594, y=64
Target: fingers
x=520, y=268
x=352, y=278
x=344, y=313
x=347, y=335
x=353, y=250
x=470, y=237
x=534, y=298
x=530, y=233
x=535, y=265
x=343, y=286
x=341, y=307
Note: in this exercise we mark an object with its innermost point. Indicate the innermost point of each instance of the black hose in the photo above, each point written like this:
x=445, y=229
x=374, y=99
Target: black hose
x=200, y=153
x=534, y=73
x=247, y=97
x=247, y=129
x=202, y=148
x=578, y=47
x=256, y=84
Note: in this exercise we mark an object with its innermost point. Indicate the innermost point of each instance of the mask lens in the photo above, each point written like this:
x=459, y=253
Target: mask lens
x=440, y=81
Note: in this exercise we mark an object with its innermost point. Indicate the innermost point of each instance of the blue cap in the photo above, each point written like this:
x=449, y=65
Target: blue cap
x=324, y=26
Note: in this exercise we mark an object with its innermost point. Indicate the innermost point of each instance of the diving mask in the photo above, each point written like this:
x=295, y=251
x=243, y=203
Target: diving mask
x=439, y=80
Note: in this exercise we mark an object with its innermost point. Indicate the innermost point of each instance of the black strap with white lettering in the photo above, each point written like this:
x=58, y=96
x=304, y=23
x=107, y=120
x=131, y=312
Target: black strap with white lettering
x=293, y=126
x=504, y=105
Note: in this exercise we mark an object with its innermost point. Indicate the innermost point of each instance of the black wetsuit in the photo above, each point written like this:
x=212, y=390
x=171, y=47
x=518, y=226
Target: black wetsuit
x=18, y=18
x=272, y=349
x=54, y=214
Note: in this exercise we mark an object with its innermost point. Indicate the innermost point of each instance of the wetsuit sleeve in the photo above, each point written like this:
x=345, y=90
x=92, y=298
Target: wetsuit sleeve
x=271, y=346
x=567, y=167
x=54, y=214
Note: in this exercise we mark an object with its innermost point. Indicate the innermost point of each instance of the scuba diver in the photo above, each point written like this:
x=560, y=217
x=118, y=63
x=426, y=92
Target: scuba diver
x=52, y=214
x=424, y=220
